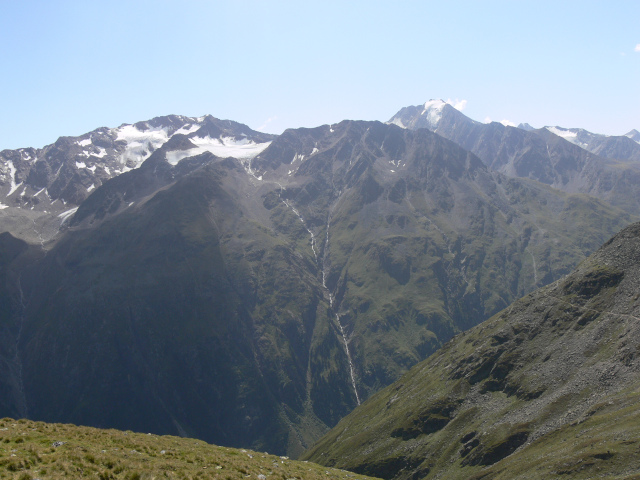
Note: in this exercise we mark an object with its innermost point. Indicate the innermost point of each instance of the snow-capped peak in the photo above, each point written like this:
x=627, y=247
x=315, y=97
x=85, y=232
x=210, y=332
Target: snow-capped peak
x=566, y=133
x=433, y=112
x=434, y=104
x=633, y=135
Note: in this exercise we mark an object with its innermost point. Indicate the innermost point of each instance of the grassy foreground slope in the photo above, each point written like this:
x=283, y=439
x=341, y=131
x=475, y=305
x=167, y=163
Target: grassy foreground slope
x=51, y=450
x=548, y=388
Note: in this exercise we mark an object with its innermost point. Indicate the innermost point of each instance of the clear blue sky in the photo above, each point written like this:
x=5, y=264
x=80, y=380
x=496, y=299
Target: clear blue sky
x=68, y=67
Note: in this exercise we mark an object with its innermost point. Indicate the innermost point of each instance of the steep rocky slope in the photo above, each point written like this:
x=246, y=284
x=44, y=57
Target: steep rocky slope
x=548, y=387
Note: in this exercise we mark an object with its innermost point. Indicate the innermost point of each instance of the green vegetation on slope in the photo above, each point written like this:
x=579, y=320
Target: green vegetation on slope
x=53, y=451
x=548, y=387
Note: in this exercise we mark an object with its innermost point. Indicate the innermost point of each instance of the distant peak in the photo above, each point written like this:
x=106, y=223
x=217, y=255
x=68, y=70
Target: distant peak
x=566, y=133
x=633, y=135
x=526, y=126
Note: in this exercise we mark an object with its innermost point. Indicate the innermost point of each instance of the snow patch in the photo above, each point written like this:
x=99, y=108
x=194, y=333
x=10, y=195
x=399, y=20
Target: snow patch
x=571, y=135
x=314, y=151
x=243, y=149
x=87, y=153
x=398, y=122
x=81, y=165
x=297, y=157
x=93, y=185
x=564, y=133
x=3, y=206
x=101, y=153
x=140, y=143
x=64, y=216
x=12, y=176
x=187, y=129
x=84, y=143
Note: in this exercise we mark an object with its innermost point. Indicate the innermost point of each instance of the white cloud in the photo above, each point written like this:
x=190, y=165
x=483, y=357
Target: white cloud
x=487, y=119
x=507, y=123
x=267, y=122
x=637, y=49
x=457, y=104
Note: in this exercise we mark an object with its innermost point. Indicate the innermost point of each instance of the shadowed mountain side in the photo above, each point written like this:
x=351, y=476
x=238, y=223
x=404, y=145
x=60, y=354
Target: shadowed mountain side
x=182, y=315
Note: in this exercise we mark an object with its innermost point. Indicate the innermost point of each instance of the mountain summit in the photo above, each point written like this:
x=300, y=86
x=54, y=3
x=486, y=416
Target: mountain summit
x=633, y=135
x=430, y=116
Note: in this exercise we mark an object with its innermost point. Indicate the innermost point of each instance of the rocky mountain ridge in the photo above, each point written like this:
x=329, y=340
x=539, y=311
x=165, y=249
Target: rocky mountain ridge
x=622, y=147
x=613, y=175
x=41, y=188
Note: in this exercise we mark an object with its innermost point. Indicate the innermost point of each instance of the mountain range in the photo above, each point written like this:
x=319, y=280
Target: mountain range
x=192, y=276
x=571, y=160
